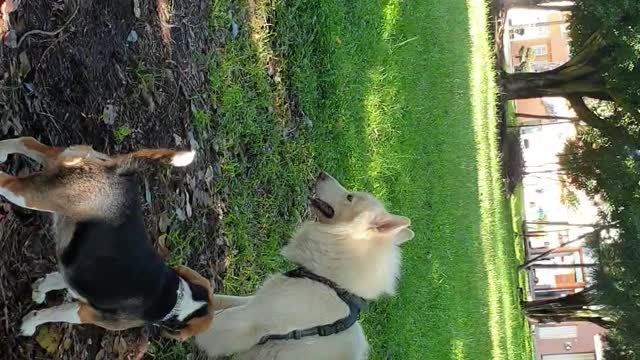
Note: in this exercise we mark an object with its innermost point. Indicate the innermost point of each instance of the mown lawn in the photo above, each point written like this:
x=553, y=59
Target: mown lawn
x=393, y=97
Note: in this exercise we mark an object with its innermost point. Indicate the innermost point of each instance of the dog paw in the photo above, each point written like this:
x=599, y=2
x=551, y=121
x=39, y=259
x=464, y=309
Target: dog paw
x=37, y=295
x=29, y=324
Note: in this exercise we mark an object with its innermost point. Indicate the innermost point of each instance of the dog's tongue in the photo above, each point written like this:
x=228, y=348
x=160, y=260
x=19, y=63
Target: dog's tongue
x=324, y=207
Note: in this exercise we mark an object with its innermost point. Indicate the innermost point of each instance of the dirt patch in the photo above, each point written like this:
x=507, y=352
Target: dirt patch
x=119, y=77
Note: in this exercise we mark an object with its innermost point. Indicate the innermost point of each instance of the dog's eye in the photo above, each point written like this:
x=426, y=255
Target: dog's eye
x=350, y=198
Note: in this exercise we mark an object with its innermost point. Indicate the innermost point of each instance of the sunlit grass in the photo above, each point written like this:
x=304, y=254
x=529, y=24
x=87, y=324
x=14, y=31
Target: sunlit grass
x=496, y=222
x=392, y=97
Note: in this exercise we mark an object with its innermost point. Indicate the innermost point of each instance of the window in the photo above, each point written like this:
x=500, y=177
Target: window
x=526, y=143
x=557, y=332
x=539, y=50
x=586, y=356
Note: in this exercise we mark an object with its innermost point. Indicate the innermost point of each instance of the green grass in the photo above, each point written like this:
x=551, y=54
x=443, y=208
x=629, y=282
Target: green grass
x=397, y=98
x=512, y=120
x=517, y=206
x=121, y=133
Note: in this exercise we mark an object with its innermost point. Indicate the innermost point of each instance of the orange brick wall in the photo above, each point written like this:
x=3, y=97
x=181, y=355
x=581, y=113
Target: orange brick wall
x=557, y=52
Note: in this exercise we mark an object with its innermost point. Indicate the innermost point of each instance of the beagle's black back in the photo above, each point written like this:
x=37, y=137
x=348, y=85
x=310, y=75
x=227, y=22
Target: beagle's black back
x=111, y=263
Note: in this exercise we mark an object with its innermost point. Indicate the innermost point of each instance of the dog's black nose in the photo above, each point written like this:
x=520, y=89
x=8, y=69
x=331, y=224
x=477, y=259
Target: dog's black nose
x=322, y=176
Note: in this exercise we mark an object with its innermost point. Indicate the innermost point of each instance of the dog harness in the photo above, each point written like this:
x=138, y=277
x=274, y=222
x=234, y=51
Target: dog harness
x=354, y=302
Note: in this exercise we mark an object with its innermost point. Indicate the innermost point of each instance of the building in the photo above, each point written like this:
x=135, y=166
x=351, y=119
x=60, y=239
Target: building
x=569, y=341
x=545, y=32
x=555, y=213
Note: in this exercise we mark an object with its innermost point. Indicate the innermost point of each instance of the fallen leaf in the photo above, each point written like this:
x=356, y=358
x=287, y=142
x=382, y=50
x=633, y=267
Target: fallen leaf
x=177, y=139
x=180, y=214
x=271, y=68
x=109, y=114
x=136, y=8
x=201, y=198
x=234, y=29
x=133, y=37
x=49, y=338
x=163, y=222
x=192, y=141
x=17, y=126
x=208, y=175
x=101, y=354
x=188, y=206
x=147, y=192
x=148, y=100
x=122, y=345
x=25, y=64
x=191, y=181
x=66, y=345
x=106, y=344
x=11, y=39
x=162, y=245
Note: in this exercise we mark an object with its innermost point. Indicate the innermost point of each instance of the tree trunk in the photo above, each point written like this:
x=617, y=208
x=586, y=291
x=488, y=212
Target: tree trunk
x=613, y=132
x=581, y=76
x=549, y=84
x=572, y=307
x=581, y=298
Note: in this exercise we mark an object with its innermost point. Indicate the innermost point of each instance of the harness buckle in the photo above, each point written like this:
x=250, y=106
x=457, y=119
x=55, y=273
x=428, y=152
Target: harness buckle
x=326, y=330
x=297, y=334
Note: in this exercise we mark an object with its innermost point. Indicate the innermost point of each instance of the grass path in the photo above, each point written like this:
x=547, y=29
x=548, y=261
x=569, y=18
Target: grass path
x=394, y=97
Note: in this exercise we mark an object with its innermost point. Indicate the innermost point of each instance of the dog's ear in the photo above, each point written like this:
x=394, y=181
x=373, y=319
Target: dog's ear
x=200, y=323
x=389, y=224
x=403, y=236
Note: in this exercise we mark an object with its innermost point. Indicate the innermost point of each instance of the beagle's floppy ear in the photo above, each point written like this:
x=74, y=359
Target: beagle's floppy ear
x=197, y=324
x=389, y=224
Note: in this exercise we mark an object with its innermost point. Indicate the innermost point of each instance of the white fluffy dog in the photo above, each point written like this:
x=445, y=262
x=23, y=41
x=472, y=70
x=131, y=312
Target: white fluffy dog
x=350, y=253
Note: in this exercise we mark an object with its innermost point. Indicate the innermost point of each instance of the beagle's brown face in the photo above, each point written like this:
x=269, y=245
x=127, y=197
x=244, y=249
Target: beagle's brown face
x=201, y=320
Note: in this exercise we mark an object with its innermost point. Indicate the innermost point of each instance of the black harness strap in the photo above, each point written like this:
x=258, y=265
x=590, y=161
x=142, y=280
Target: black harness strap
x=355, y=303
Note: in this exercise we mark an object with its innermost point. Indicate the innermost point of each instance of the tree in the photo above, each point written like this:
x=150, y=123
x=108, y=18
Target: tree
x=582, y=75
x=595, y=232
x=580, y=306
x=603, y=66
x=606, y=169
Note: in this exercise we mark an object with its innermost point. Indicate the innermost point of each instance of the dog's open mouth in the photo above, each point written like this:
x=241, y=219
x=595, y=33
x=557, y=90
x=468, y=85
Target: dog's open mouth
x=322, y=206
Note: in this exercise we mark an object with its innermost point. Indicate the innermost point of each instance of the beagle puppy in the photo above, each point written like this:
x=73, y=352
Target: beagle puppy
x=105, y=258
